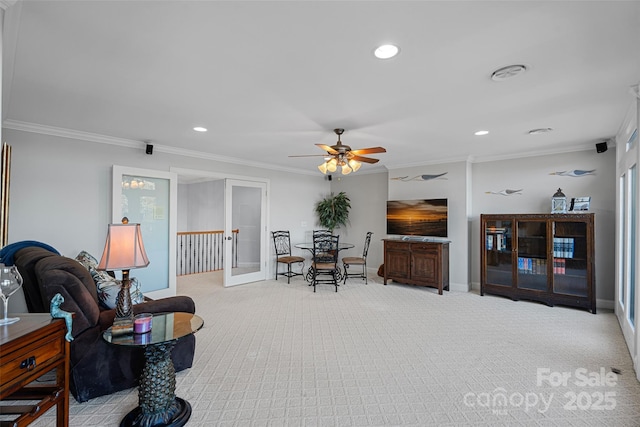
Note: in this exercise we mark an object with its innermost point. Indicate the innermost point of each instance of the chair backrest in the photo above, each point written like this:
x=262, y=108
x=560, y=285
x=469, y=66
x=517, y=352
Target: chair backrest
x=325, y=248
x=282, y=242
x=367, y=241
x=320, y=233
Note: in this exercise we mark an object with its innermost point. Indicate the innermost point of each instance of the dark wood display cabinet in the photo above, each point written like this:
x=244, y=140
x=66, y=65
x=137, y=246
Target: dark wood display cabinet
x=417, y=262
x=539, y=257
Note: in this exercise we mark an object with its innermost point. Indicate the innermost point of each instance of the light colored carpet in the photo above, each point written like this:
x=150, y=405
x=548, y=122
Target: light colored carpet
x=276, y=354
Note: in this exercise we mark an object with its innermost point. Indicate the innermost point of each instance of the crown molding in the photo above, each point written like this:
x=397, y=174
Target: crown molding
x=138, y=145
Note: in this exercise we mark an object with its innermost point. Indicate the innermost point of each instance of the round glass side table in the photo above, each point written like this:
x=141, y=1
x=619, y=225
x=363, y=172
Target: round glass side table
x=158, y=404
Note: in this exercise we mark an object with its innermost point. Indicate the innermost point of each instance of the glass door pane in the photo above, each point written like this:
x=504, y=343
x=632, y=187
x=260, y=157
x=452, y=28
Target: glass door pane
x=570, y=258
x=245, y=225
x=532, y=255
x=631, y=284
x=499, y=261
x=148, y=197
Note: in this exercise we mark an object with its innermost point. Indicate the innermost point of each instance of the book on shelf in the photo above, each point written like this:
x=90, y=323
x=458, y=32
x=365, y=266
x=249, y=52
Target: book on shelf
x=532, y=265
x=559, y=266
x=563, y=247
x=496, y=241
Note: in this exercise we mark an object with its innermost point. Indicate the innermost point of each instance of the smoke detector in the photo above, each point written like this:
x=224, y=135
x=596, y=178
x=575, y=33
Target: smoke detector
x=508, y=72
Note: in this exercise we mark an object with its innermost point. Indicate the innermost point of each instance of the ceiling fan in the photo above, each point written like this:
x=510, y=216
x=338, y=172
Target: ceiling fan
x=342, y=155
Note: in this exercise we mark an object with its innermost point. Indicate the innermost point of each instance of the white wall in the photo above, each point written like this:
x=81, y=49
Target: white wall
x=201, y=206
x=368, y=195
x=453, y=187
x=532, y=176
x=61, y=191
x=61, y=195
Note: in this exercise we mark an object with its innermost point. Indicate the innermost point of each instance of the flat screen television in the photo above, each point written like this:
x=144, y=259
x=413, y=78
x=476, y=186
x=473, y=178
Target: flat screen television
x=417, y=217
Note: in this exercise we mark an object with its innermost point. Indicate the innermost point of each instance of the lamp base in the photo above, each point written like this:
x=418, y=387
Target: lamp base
x=122, y=327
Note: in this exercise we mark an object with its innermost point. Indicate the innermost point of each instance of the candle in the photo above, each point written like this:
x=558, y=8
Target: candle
x=142, y=323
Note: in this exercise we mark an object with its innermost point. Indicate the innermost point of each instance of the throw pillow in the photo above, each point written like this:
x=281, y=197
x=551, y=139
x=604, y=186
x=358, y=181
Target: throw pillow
x=107, y=285
x=108, y=292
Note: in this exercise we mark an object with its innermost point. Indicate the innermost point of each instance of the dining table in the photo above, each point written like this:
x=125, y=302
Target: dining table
x=309, y=247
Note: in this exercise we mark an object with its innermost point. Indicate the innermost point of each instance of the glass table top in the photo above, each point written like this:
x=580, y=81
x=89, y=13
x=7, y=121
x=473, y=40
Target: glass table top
x=165, y=327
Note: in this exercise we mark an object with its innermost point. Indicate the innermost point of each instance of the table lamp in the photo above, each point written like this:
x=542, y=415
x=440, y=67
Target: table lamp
x=123, y=250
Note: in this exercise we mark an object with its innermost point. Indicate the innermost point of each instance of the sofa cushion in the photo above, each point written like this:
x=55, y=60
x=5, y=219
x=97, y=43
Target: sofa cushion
x=108, y=291
x=107, y=285
x=58, y=274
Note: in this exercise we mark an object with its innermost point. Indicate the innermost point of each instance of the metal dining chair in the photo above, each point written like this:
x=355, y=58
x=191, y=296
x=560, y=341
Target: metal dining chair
x=282, y=245
x=361, y=261
x=325, y=260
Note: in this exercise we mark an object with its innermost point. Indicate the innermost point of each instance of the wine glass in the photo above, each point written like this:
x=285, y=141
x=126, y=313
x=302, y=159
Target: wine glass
x=10, y=282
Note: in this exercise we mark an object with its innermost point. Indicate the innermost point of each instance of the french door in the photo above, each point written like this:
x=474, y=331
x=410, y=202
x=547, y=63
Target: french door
x=627, y=235
x=245, y=232
x=149, y=198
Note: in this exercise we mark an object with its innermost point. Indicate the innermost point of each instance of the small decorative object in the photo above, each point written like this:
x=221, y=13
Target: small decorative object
x=58, y=313
x=407, y=178
x=333, y=211
x=576, y=173
x=580, y=204
x=142, y=323
x=559, y=202
x=506, y=192
x=123, y=250
x=10, y=282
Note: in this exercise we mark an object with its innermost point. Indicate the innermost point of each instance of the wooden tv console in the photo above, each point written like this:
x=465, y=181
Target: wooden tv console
x=417, y=261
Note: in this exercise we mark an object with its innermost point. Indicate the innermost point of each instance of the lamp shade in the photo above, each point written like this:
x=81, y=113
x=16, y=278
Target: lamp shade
x=123, y=249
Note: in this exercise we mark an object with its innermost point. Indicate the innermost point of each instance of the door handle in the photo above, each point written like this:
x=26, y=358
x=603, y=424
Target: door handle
x=229, y=238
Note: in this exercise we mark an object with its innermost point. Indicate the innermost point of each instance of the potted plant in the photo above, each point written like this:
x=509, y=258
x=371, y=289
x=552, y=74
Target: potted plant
x=333, y=211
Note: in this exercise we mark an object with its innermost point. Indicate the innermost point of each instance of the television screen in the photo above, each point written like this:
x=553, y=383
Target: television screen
x=417, y=217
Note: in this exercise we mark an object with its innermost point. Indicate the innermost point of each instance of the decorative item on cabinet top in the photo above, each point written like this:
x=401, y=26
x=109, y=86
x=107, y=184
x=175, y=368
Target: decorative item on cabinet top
x=559, y=202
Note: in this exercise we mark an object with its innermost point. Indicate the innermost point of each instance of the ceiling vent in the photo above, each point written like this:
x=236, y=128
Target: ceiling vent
x=539, y=131
x=508, y=72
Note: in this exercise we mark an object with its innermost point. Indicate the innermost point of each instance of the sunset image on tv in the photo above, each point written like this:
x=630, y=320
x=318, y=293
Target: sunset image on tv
x=417, y=217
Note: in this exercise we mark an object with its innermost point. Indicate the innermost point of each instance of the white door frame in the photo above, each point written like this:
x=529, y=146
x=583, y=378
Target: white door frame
x=265, y=205
x=628, y=157
x=169, y=265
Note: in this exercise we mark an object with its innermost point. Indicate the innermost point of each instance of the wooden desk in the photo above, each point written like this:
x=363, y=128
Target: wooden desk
x=29, y=349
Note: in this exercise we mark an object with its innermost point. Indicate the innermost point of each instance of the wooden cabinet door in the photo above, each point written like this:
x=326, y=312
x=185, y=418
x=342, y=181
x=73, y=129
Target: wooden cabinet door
x=397, y=263
x=424, y=263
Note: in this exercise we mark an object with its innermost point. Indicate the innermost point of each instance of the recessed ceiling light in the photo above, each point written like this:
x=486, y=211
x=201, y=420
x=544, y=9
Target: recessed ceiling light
x=508, y=72
x=386, y=51
x=539, y=131
x=200, y=129
x=481, y=132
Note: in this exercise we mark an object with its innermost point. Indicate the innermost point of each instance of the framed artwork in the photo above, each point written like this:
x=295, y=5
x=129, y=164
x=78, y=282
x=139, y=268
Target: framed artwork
x=580, y=204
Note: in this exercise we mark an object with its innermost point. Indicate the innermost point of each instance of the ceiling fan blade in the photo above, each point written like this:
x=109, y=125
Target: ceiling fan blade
x=365, y=159
x=371, y=150
x=327, y=148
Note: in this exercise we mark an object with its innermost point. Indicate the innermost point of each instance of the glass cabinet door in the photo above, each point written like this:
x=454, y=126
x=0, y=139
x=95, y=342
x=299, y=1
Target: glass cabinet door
x=499, y=260
x=532, y=255
x=570, y=258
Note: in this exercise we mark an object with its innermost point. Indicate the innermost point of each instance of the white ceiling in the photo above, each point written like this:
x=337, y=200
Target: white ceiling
x=270, y=79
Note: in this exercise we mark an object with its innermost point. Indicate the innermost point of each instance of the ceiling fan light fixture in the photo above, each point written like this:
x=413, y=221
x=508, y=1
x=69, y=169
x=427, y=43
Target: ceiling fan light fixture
x=346, y=170
x=323, y=168
x=355, y=165
x=332, y=165
x=386, y=51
